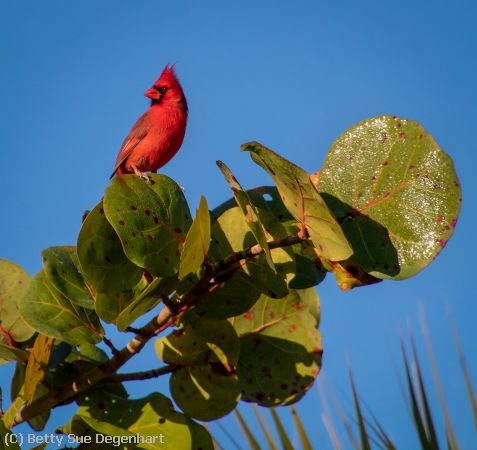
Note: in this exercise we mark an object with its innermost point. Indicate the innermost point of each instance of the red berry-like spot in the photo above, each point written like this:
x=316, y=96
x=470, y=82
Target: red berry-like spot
x=121, y=222
x=149, y=237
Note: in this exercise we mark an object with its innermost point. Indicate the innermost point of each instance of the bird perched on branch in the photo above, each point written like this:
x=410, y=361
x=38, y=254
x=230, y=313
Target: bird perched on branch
x=158, y=134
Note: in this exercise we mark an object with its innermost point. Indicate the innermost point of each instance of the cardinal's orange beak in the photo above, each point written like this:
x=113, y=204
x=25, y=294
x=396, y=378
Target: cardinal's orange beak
x=153, y=94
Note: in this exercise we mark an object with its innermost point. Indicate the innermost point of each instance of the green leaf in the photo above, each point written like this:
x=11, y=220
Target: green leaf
x=231, y=233
x=13, y=285
x=303, y=201
x=8, y=353
x=61, y=266
x=280, y=348
x=150, y=218
x=49, y=312
x=197, y=242
x=151, y=418
x=206, y=352
x=7, y=439
x=249, y=211
x=395, y=193
x=143, y=302
x=101, y=255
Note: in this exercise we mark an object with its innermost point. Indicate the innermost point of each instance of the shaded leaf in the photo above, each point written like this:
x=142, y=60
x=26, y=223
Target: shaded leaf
x=61, y=266
x=8, y=353
x=101, y=255
x=7, y=439
x=150, y=218
x=249, y=211
x=280, y=348
x=146, y=300
x=150, y=417
x=206, y=353
x=395, y=193
x=251, y=278
x=49, y=312
x=303, y=201
x=197, y=242
x=13, y=285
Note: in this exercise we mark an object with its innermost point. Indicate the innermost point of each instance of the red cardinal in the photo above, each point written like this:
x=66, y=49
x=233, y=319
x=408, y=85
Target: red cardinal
x=158, y=134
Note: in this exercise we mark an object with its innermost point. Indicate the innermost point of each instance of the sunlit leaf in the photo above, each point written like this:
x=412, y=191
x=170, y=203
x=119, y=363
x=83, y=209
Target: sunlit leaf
x=197, y=242
x=394, y=192
x=13, y=285
x=151, y=219
x=303, y=201
x=249, y=211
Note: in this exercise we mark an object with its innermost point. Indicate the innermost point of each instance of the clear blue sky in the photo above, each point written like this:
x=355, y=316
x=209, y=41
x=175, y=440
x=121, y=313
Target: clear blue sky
x=293, y=75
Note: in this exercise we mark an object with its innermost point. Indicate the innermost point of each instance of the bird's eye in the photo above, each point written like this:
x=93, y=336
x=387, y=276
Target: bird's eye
x=161, y=89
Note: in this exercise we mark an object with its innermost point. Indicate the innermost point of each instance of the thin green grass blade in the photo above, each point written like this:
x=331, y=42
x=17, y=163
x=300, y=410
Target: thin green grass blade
x=428, y=442
x=450, y=434
x=248, y=433
x=465, y=371
x=229, y=436
x=302, y=434
x=265, y=428
x=285, y=440
x=365, y=444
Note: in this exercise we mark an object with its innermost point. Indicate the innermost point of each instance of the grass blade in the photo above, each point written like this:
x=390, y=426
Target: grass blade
x=424, y=425
x=465, y=371
x=265, y=428
x=305, y=442
x=365, y=444
x=248, y=433
x=285, y=440
x=450, y=435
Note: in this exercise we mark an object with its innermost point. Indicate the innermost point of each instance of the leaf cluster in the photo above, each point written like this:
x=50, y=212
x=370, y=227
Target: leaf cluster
x=237, y=283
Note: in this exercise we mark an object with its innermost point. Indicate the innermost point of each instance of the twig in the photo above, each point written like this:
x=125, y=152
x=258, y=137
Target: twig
x=145, y=375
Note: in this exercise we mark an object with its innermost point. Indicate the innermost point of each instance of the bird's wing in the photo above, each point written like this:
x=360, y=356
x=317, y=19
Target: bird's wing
x=136, y=135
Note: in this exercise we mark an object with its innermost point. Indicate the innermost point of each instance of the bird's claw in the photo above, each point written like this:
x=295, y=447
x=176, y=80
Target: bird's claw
x=142, y=175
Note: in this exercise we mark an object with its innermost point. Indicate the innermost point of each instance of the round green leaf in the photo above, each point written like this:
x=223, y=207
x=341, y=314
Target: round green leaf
x=280, y=348
x=151, y=219
x=150, y=418
x=101, y=255
x=13, y=285
x=49, y=312
x=395, y=193
x=205, y=392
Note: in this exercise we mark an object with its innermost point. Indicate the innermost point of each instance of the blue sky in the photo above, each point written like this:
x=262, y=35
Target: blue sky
x=292, y=75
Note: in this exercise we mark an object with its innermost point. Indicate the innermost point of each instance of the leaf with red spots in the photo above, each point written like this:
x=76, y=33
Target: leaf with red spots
x=101, y=255
x=13, y=286
x=249, y=211
x=151, y=220
x=205, y=387
x=395, y=193
x=153, y=418
x=280, y=348
x=49, y=312
x=303, y=201
x=197, y=241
